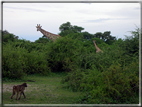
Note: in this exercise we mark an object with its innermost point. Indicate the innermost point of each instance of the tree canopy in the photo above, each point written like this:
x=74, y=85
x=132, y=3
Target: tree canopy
x=106, y=37
x=67, y=28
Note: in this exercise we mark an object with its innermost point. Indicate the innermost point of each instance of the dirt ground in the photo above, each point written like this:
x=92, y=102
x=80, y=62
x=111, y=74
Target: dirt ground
x=9, y=87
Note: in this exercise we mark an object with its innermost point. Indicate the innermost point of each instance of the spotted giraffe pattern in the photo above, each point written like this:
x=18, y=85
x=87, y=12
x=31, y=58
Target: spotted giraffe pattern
x=49, y=35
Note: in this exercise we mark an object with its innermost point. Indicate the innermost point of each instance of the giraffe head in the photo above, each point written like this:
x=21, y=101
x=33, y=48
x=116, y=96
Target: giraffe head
x=38, y=27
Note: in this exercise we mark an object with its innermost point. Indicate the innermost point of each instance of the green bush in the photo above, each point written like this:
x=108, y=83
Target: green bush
x=131, y=43
x=36, y=63
x=108, y=77
x=73, y=80
x=8, y=37
x=101, y=61
x=116, y=85
x=62, y=53
x=12, y=62
x=29, y=46
x=17, y=61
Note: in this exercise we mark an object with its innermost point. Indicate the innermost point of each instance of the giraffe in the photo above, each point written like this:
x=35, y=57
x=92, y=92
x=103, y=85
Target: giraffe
x=49, y=35
x=97, y=48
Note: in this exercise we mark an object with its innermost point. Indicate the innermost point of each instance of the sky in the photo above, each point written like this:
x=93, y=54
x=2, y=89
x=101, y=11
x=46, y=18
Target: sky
x=21, y=19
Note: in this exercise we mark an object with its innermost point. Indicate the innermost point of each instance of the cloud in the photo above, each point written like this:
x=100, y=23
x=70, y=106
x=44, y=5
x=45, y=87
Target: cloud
x=24, y=8
x=98, y=20
x=104, y=20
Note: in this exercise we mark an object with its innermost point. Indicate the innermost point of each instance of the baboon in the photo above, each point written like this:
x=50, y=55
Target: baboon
x=19, y=88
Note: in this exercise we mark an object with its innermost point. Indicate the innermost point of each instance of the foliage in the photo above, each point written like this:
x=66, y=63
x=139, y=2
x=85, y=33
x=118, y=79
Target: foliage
x=87, y=35
x=42, y=40
x=6, y=36
x=108, y=77
x=106, y=37
x=36, y=64
x=12, y=62
x=115, y=85
x=111, y=77
x=29, y=46
x=62, y=53
x=17, y=61
x=131, y=43
x=67, y=28
x=101, y=62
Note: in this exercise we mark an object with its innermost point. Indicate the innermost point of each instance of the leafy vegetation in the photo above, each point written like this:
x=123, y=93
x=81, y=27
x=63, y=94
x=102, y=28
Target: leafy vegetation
x=108, y=77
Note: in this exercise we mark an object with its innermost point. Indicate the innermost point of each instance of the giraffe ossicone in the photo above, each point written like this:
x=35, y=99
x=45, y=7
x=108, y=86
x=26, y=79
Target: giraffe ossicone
x=49, y=35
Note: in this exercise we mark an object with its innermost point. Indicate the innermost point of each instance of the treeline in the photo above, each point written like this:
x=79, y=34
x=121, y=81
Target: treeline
x=67, y=28
x=108, y=77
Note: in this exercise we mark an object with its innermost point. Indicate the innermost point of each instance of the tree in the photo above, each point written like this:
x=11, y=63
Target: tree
x=98, y=35
x=6, y=36
x=87, y=35
x=67, y=28
x=106, y=37
x=77, y=29
x=131, y=43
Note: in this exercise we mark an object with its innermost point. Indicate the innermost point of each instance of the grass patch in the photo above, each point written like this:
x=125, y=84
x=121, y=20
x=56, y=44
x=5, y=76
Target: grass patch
x=45, y=90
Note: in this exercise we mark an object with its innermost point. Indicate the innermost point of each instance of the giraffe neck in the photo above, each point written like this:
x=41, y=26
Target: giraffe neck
x=96, y=47
x=49, y=35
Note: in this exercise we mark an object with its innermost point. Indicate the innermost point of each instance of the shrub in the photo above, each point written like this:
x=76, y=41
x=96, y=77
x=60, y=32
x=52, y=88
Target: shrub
x=8, y=37
x=36, y=63
x=62, y=53
x=73, y=80
x=131, y=43
x=116, y=85
x=29, y=46
x=17, y=61
x=12, y=62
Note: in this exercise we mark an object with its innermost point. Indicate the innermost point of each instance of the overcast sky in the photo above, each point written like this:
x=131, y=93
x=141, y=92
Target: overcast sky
x=21, y=18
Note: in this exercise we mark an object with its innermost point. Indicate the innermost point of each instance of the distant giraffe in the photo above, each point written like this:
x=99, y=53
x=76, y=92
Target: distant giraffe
x=49, y=35
x=97, y=48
